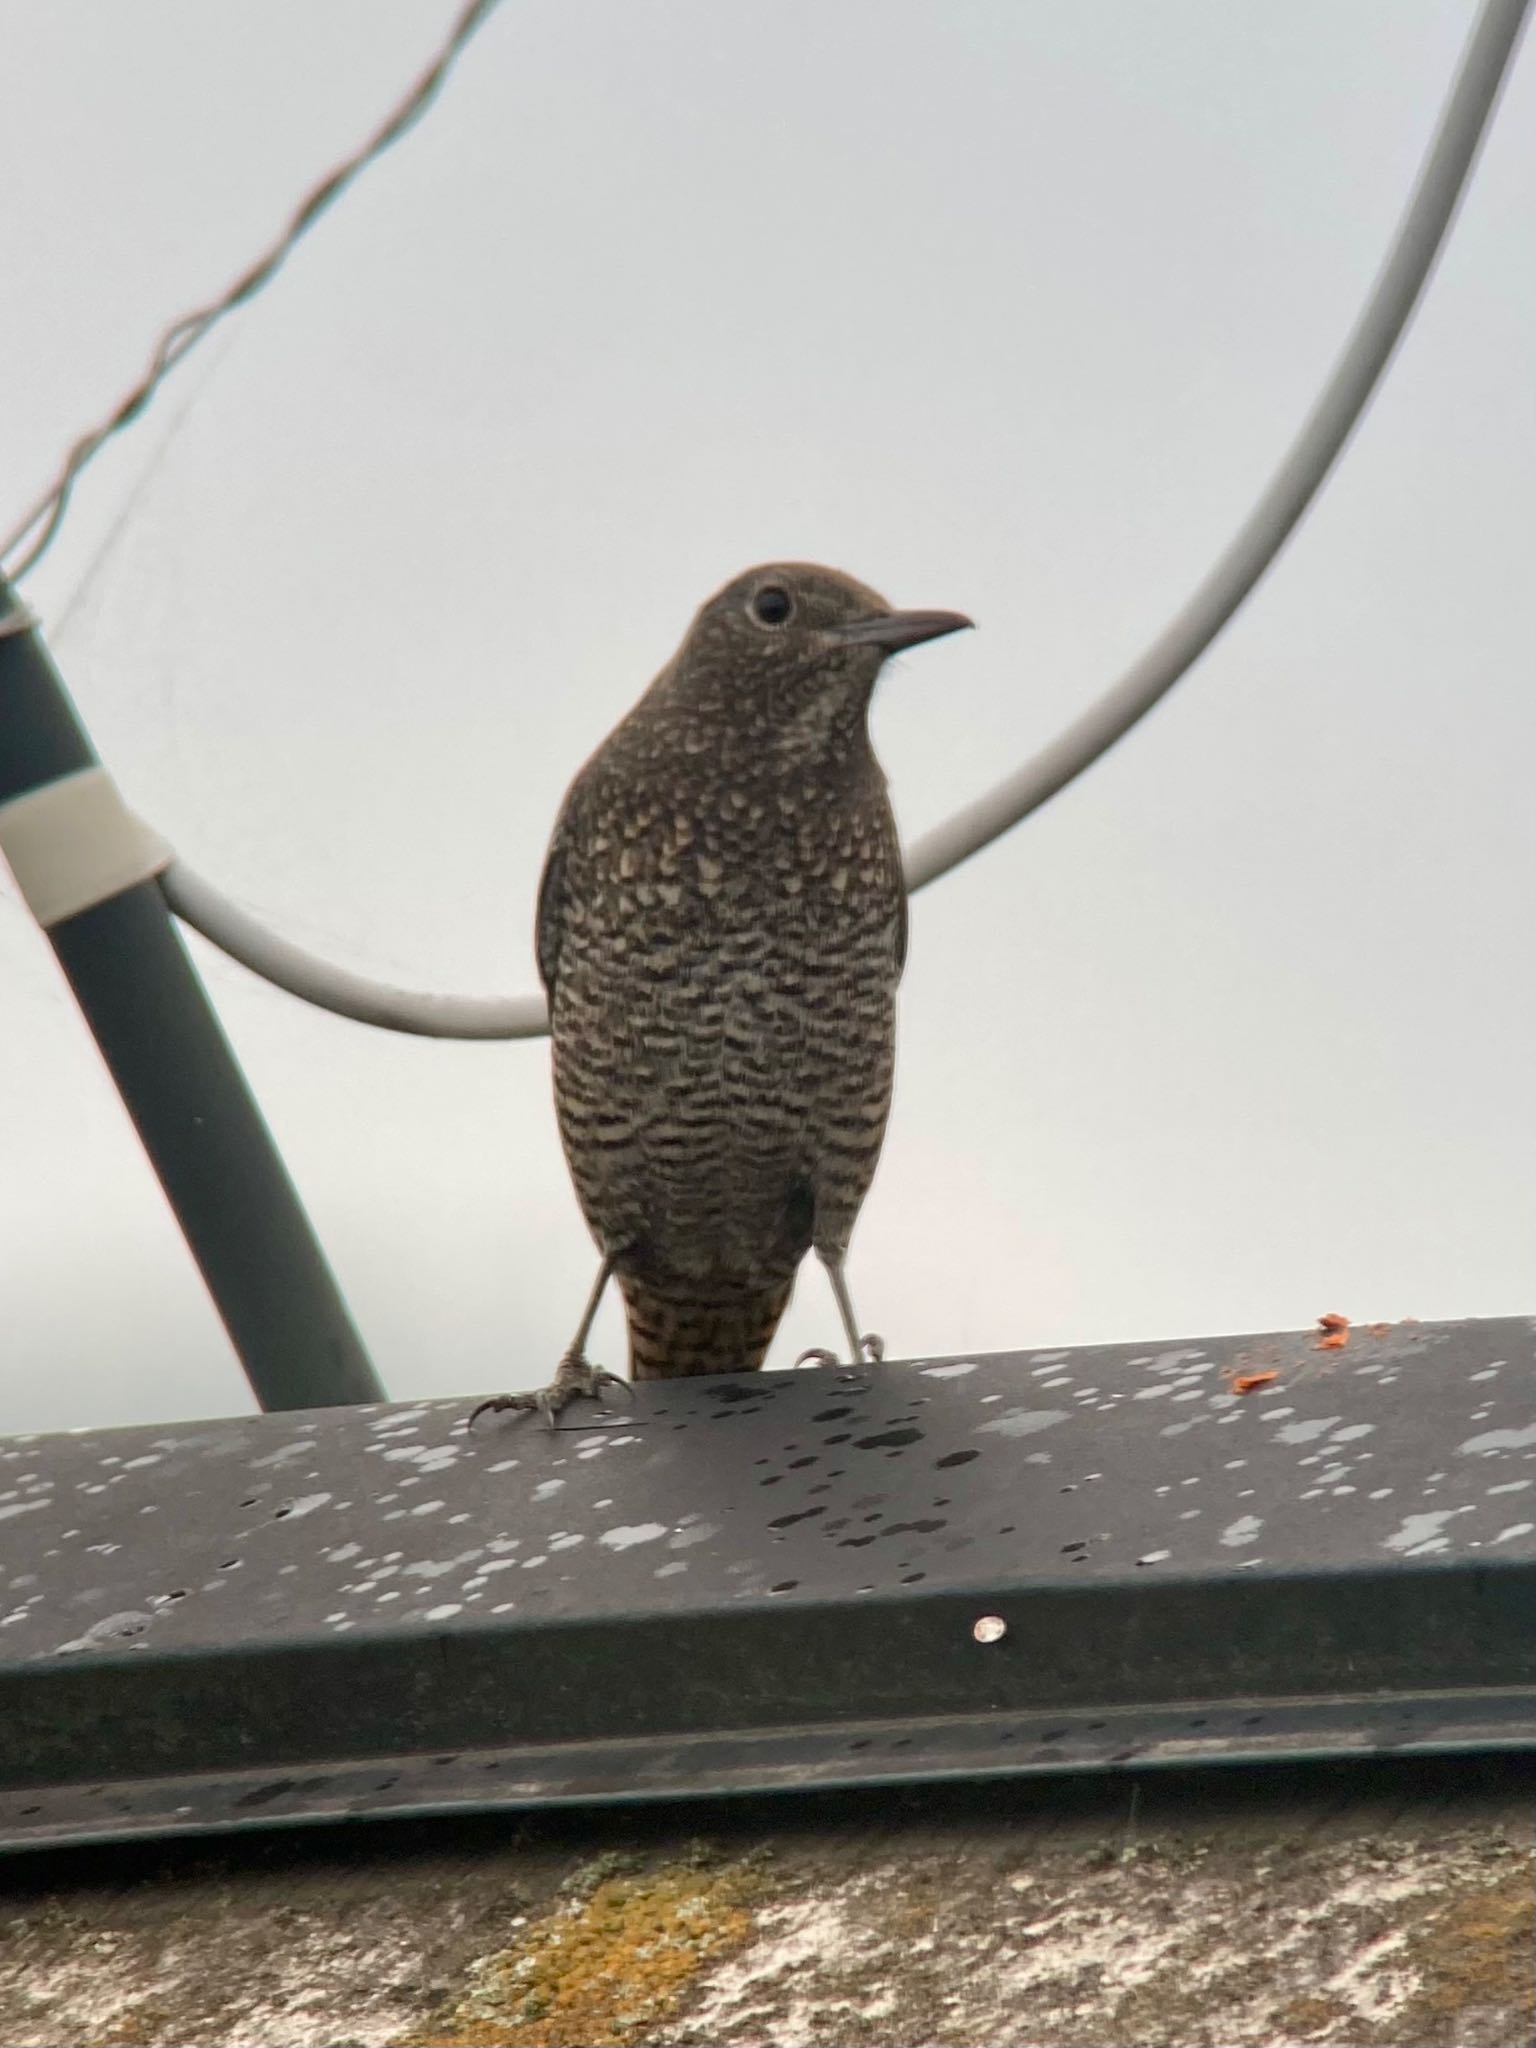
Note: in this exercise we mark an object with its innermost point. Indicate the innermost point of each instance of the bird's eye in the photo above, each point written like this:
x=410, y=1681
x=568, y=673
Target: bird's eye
x=772, y=605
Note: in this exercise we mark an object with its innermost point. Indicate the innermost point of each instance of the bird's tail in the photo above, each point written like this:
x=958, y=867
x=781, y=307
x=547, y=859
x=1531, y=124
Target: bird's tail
x=675, y=1332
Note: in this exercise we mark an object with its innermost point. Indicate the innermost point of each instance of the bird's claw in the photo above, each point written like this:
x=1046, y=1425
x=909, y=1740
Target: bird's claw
x=575, y=1378
x=871, y=1347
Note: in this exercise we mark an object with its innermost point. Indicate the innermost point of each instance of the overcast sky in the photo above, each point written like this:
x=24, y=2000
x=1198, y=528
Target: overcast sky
x=1009, y=306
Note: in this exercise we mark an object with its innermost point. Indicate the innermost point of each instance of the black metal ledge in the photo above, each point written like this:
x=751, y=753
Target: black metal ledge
x=1050, y=1561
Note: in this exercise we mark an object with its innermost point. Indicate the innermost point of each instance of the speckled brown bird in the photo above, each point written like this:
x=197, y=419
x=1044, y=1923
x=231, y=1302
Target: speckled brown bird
x=722, y=924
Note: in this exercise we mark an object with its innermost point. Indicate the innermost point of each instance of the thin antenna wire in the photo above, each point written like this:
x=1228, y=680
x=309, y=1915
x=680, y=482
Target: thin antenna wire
x=44, y=518
x=59, y=621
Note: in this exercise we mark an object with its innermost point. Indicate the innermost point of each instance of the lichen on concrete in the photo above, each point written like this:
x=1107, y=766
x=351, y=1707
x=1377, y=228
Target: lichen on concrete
x=1180, y=1945
x=610, y=1964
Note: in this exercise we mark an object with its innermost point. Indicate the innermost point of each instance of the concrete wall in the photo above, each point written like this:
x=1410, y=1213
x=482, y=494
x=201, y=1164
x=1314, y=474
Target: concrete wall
x=1371, y=1904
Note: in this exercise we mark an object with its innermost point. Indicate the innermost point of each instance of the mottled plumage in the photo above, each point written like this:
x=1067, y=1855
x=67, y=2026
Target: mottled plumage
x=721, y=929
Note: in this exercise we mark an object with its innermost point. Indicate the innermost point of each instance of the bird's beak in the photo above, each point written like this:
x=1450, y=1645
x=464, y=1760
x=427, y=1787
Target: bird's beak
x=894, y=630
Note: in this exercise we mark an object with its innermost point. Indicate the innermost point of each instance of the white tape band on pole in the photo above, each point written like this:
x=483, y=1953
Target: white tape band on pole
x=73, y=843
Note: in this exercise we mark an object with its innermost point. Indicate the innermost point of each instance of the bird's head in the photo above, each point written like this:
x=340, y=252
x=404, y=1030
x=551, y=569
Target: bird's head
x=793, y=651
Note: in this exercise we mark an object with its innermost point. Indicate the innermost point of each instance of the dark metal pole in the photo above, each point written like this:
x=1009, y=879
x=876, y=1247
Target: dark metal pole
x=176, y=1072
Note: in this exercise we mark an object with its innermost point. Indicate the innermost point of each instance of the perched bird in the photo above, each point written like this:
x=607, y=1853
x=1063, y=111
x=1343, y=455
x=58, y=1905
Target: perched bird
x=722, y=923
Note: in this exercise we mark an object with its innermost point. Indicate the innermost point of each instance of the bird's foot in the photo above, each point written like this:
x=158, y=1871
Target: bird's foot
x=871, y=1349
x=575, y=1377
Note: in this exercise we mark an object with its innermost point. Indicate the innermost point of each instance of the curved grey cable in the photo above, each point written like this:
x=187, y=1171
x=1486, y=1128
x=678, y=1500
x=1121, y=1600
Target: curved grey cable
x=235, y=932
x=1473, y=94
x=1268, y=526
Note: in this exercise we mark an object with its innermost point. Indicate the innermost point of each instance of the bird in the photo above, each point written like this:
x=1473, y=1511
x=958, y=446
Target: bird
x=721, y=927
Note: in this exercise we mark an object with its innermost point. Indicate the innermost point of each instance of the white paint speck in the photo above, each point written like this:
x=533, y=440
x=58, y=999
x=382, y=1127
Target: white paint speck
x=286, y=1453
x=1305, y=1432
x=443, y=1613
x=305, y=1505
x=1514, y=1529
x=1022, y=1422
x=430, y=1457
x=398, y=1421
x=1420, y=1533
x=1244, y=1530
x=1501, y=1440
x=112, y=1628
x=627, y=1538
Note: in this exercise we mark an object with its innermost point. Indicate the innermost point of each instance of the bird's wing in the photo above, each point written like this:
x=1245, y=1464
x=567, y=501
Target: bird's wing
x=549, y=922
x=892, y=850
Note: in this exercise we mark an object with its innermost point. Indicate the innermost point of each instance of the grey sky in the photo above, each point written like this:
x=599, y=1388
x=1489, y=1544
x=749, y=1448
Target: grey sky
x=1009, y=307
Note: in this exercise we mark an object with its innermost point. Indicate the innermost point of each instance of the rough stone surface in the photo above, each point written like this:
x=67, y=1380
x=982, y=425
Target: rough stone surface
x=1373, y=1904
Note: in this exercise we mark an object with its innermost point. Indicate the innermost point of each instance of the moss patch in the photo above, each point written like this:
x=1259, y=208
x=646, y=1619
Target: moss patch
x=615, y=1959
x=1476, y=1957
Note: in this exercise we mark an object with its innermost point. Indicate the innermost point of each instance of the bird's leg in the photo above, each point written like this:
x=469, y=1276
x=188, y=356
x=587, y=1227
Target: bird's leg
x=575, y=1375
x=868, y=1349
